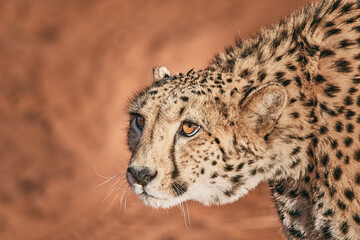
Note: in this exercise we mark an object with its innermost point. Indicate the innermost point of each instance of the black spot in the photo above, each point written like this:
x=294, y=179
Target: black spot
x=325, y=159
x=334, y=6
x=349, y=194
x=346, y=8
x=296, y=150
x=240, y=166
x=279, y=188
x=345, y=43
x=229, y=80
x=294, y=193
x=333, y=143
x=345, y=227
x=358, y=101
x=341, y=205
x=350, y=128
x=279, y=58
x=357, y=178
x=329, y=24
x=339, y=126
x=349, y=114
x=310, y=152
x=228, y=167
x=244, y=73
x=298, y=81
x=357, y=155
x=213, y=163
x=331, y=90
x=320, y=78
x=291, y=67
x=202, y=171
x=310, y=168
x=229, y=193
x=327, y=110
x=305, y=194
x=262, y=76
x=214, y=175
x=323, y=130
x=326, y=53
x=153, y=92
x=356, y=218
x=339, y=154
x=348, y=141
x=348, y=101
x=295, y=163
x=343, y=66
x=295, y=114
x=286, y=82
x=185, y=99
x=352, y=90
x=296, y=232
x=329, y=212
x=217, y=140
x=292, y=100
x=337, y=173
x=332, y=32
x=279, y=75
x=237, y=179
x=326, y=231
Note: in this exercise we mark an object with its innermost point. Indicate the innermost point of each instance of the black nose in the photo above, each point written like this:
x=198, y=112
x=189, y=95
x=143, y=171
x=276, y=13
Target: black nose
x=142, y=175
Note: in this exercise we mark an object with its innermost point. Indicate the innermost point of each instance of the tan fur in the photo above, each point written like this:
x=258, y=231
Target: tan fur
x=283, y=107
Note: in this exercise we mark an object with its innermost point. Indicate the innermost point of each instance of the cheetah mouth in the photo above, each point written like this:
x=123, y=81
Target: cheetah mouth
x=146, y=194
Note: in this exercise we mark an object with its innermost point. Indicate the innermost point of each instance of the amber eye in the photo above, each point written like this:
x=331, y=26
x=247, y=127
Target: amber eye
x=140, y=122
x=189, y=129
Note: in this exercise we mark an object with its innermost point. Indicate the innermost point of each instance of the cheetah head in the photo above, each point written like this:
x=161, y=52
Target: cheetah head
x=189, y=141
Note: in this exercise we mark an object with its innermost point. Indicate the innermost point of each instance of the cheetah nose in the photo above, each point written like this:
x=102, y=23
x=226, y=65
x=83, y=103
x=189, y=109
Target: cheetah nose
x=142, y=175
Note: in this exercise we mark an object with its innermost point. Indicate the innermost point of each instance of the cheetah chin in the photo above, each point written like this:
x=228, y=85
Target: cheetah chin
x=283, y=107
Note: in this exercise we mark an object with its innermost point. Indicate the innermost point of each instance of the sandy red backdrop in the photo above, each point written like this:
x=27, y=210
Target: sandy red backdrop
x=67, y=68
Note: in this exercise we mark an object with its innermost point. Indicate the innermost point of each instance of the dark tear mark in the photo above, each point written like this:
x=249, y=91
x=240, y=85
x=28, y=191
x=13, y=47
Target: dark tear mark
x=175, y=173
x=179, y=188
x=152, y=130
x=182, y=111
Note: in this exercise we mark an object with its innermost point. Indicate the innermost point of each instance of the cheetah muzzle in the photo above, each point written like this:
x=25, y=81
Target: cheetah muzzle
x=283, y=107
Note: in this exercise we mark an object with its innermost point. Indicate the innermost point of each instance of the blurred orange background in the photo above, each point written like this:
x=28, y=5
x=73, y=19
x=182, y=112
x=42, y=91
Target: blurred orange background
x=67, y=69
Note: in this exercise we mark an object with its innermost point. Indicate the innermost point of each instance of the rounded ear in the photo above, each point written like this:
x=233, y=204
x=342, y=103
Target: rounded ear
x=160, y=73
x=263, y=108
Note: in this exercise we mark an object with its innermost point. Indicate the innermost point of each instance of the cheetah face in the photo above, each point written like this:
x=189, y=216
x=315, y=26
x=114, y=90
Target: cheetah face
x=189, y=146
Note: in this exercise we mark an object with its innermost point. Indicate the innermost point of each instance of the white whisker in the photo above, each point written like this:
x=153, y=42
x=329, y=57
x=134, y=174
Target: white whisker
x=188, y=213
x=110, y=180
x=112, y=188
x=114, y=200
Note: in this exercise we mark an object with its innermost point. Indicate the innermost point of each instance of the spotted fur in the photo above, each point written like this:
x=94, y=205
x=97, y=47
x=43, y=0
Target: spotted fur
x=283, y=107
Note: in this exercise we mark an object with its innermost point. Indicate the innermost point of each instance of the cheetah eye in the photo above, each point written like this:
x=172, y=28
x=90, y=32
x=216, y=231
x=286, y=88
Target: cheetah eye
x=140, y=122
x=189, y=129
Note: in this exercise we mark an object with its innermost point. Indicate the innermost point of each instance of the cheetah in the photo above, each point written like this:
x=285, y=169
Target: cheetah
x=282, y=107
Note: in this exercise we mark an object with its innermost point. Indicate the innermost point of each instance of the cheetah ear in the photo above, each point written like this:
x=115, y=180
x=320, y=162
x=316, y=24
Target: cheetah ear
x=160, y=73
x=263, y=108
